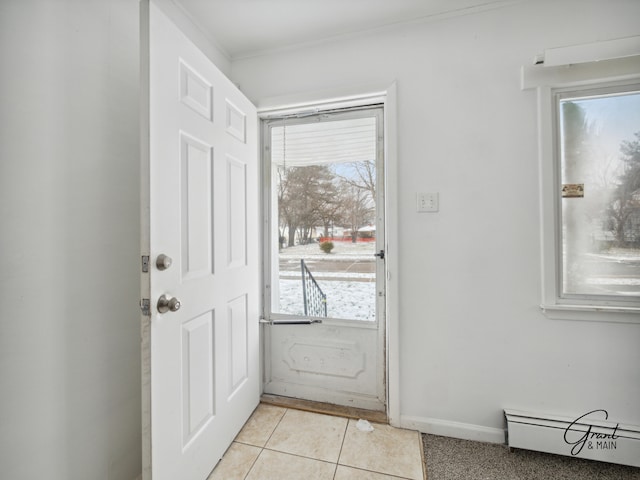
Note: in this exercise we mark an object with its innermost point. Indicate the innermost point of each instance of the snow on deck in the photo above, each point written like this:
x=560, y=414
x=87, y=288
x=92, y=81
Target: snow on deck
x=350, y=294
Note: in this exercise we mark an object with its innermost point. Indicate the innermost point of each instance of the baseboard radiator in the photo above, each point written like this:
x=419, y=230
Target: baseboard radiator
x=592, y=435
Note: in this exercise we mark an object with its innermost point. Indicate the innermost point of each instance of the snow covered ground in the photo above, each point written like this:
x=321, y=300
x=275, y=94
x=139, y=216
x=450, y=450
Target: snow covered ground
x=346, y=300
x=350, y=295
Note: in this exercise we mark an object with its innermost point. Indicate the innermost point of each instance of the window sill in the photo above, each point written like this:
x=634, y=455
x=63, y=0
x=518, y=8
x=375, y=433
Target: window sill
x=592, y=313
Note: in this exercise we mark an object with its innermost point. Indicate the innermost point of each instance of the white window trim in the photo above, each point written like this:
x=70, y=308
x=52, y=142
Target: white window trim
x=546, y=80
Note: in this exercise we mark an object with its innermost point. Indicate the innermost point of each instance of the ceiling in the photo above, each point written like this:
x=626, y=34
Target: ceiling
x=246, y=27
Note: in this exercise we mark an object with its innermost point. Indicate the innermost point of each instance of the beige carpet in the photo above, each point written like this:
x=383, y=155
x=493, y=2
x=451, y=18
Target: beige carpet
x=453, y=459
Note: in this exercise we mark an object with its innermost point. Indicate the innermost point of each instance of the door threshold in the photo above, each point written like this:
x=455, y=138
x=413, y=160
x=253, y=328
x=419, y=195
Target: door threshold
x=324, y=408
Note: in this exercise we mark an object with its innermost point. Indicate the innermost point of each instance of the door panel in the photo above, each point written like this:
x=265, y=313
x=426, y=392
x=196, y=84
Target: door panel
x=238, y=326
x=237, y=200
x=328, y=363
x=235, y=121
x=198, y=376
x=195, y=91
x=200, y=362
x=196, y=208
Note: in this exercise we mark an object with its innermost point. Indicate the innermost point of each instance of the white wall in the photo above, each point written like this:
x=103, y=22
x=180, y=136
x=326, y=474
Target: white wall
x=69, y=237
x=473, y=340
x=69, y=334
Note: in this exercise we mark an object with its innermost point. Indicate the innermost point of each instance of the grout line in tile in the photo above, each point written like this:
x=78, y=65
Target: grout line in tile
x=298, y=455
x=245, y=443
x=374, y=471
x=253, y=464
x=344, y=437
x=379, y=473
x=276, y=427
x=262, y=449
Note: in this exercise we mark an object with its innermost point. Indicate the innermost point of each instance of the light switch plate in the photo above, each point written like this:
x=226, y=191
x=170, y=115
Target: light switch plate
x=427, y=202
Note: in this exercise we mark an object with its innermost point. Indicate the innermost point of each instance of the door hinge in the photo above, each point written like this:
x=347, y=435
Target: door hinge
x=145, y=263
x=145, y=306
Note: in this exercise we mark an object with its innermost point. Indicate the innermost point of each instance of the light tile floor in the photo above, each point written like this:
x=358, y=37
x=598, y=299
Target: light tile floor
x=284, y=444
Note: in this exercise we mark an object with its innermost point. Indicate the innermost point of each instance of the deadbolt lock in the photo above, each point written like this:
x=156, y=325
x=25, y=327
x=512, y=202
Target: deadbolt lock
x=163, y=261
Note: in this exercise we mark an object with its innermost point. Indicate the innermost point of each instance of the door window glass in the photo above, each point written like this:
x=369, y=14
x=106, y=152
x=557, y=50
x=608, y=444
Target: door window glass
x=323, y=219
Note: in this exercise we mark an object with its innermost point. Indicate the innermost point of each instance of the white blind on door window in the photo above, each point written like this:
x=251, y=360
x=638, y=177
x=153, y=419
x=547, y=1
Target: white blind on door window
x=320, y=143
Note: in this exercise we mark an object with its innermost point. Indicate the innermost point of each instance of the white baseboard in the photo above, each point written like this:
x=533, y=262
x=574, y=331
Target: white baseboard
x=447, y=428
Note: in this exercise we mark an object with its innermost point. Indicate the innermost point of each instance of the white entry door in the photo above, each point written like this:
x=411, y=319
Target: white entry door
x=200, y=253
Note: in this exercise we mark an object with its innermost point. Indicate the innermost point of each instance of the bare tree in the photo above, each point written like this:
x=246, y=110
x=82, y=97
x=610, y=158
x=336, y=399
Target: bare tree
x=306, y=197
x=357, y=208
x=624, y=211
x=363, y=178
x=314, y=195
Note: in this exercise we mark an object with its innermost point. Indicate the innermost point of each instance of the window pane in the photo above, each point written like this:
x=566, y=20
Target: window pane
x=324, y=186
x=600, y=176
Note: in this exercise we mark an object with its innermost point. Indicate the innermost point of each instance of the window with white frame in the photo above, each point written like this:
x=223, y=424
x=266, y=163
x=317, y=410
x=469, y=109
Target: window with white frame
x=589, y=154
x=590, y=166
x=597, y=136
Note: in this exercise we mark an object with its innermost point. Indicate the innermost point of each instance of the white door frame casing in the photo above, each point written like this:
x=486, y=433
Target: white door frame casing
x=353, y=97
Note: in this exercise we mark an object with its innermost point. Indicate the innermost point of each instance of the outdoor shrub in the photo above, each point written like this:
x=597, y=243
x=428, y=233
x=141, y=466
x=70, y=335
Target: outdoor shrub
x=326, y=247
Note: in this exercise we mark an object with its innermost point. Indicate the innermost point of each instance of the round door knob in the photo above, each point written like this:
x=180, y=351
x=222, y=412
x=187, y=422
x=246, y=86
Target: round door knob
x=163, y=261
x=166, y=304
